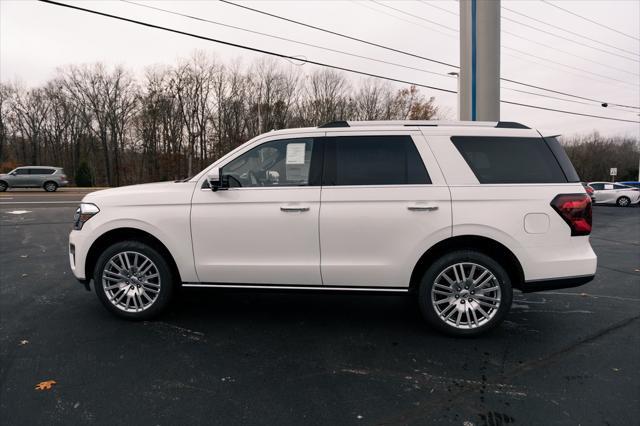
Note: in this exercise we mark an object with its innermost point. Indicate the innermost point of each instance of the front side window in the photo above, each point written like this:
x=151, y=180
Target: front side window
x=22, y=171
x=284, y=162
x=373, y=160
x=510, y=160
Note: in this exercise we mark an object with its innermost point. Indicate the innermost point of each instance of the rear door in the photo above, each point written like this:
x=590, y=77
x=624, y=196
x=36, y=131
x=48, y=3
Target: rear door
x=381, y=207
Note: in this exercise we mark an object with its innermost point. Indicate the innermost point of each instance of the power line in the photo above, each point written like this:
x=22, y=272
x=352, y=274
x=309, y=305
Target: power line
x=603, y=103
x=302, y=43
x=548, y=46
x=280, y=55
x=566, y=30
x=391, y=49
x=571, y=40
x=343, y=52
x=590, y=20
x=455, y=30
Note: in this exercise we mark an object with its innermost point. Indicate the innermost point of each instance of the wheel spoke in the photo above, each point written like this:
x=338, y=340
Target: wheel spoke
x=446, y=277
x=487, y=298
x=443, y=287
x=490, y=289
x=442, y=293
x=462, y=276
x=440, y=302
x=475, y=317
x=483, y=312
x=482, y=275
x=458, y=318
x=485, y=304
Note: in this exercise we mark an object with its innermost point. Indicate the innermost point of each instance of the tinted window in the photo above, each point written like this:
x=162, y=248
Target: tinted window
x=41, y=171
x=509, y=160
x=597, y=186
x=284, y=162
x=22, y=171
x=617, y=186
x=373, y=160
x=563, y=159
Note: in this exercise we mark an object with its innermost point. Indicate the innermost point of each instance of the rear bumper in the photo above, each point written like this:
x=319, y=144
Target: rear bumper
x=555, y=283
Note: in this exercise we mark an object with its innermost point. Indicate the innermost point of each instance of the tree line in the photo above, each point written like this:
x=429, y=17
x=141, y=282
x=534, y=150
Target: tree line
x=594, y=155
x=107, y=127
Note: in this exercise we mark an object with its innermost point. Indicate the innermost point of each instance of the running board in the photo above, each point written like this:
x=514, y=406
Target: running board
x=297, y=287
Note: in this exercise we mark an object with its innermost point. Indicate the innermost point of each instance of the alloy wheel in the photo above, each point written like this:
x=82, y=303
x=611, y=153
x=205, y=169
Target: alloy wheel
x=131, y=281
x=466, y=295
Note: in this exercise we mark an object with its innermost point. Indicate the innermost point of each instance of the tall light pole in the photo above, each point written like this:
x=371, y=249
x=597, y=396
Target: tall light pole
x=479, y=93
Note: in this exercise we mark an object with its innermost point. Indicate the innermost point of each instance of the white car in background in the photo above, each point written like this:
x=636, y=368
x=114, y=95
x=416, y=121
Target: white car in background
x=615, y=193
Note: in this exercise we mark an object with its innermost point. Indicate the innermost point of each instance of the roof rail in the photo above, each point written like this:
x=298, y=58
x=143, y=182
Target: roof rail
x=334, y=124
x=425, y=123
x=510, y=125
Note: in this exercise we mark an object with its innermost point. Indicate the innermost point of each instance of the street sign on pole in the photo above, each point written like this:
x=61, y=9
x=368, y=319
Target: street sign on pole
x=613, y=172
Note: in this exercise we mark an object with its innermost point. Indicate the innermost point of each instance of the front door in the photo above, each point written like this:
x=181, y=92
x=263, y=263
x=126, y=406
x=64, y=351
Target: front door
x=264, y=228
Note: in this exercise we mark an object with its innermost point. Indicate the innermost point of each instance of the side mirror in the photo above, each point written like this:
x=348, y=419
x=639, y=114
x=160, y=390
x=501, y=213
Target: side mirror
x=215, y=180
x=13, y=173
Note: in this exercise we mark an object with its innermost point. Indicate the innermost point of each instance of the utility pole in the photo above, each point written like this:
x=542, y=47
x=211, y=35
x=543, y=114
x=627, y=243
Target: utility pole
x=479, y=82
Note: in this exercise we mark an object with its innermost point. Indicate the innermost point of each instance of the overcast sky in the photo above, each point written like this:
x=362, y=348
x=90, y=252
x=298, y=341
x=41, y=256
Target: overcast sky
x=36, y=38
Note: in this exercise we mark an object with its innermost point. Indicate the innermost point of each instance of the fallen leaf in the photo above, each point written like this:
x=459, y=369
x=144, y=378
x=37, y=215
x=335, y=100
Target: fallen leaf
x=25, y=275
x=615, y=369
x=46, y=385
x=24, y=256
x=23, y=342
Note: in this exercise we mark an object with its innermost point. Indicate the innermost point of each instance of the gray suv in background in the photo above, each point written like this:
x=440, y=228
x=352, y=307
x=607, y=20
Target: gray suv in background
x=47, y=178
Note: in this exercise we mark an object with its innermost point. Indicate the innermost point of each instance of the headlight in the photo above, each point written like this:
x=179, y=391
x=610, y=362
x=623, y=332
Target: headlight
x=85, y=212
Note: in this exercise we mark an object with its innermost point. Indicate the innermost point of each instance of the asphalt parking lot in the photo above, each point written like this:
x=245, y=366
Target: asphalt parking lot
x=222, y=357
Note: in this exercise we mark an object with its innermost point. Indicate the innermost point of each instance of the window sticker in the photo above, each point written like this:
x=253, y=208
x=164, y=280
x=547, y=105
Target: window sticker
x=295, y=153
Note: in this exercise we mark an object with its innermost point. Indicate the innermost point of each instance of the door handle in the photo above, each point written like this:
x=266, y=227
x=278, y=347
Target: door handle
x=423, y=208
x=293, y=209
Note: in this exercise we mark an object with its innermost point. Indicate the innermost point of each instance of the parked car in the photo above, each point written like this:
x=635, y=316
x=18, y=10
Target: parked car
x=589, y=191
x=45, y=177
x=632, y=183
x=455, y=214
x=614, y=193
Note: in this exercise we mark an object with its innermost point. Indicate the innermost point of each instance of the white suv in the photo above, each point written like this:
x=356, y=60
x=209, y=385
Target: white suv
x=458, y=214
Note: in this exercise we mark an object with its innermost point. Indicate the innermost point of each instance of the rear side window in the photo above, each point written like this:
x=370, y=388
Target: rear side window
x=41, y=171
x=373, y=160
x=510, y=160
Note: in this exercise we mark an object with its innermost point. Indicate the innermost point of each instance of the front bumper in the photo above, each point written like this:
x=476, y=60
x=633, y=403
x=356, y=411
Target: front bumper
x=555, y=283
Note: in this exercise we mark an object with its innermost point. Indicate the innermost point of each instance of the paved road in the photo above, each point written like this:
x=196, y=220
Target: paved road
x=231, y=358
x=62, y=196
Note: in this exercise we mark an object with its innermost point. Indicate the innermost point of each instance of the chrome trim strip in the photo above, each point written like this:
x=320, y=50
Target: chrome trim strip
x=294, y=287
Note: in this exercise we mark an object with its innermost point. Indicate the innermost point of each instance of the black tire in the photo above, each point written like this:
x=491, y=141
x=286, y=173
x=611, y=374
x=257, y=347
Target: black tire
x=3, y=186
x=50, y=186
x=623, y=201
x=165, y=281
x=469, y=258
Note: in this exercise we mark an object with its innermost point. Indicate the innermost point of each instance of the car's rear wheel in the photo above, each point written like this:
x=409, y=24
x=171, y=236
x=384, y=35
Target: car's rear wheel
x=623, y=201
x=3, y=186
x=133, y=280
x=465, y=293
x=50, y=186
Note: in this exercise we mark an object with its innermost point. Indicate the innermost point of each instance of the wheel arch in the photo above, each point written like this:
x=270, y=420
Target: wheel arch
x=123, y=234
x=488, y=246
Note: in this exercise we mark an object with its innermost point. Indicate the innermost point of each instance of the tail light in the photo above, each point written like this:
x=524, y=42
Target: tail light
x=575, y=209
x=589, y=190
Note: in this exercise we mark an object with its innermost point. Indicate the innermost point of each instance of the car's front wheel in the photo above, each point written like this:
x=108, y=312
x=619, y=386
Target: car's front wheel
x=465, y=293
x=133, y=280
x=50, y=186
x=3, y=186
x=623, y=202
